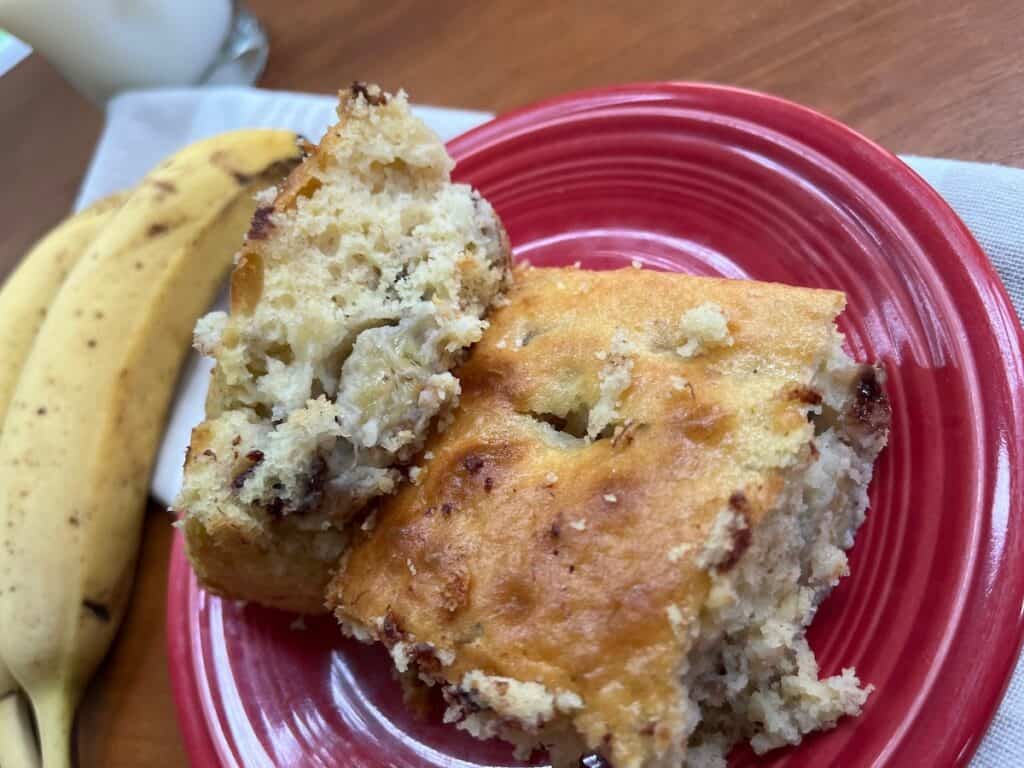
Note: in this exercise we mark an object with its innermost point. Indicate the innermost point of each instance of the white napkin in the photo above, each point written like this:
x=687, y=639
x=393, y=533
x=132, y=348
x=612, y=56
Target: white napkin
x=144, y=127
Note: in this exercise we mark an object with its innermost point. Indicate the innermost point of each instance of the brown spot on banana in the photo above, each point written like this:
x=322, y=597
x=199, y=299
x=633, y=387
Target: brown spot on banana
x=97, y=610
x=164, y=186
x=221, y=159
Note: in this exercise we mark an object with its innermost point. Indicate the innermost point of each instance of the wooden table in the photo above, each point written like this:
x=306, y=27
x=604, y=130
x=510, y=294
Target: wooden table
x=937, y=78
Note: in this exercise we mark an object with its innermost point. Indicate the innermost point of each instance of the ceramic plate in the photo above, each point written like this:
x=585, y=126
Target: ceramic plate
x=718, y=181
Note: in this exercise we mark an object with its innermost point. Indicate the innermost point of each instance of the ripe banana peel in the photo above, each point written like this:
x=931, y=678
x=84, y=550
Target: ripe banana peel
x=27, y=293
x=87, y=413
x=17, y=743
x=24, y=301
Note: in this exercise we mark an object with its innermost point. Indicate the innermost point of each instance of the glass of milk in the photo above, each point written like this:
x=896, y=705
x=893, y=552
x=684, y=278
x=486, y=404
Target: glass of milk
x=106, y=46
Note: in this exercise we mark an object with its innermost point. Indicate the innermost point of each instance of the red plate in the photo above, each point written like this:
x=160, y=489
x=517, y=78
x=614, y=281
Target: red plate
x=713, y=180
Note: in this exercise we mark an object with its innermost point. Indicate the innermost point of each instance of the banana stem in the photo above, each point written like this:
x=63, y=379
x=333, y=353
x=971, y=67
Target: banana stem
x=55, y=716
x=17, y=743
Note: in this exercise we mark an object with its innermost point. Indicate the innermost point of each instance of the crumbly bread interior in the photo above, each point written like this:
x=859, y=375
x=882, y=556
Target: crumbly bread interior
x=750, y=675
x=616, y=547
x=360, y=286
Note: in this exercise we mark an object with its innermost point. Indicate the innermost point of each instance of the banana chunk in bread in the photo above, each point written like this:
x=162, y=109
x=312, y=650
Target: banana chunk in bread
x=616, y=547
x=359, y=287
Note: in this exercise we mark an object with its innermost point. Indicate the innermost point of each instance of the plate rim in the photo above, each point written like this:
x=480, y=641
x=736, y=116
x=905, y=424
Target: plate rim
x=199, y=743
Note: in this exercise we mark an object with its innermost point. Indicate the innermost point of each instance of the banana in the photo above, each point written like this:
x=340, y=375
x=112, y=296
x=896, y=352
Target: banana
x=28, y=291
x=17, y=744
x=88, y=410
x=24, y=301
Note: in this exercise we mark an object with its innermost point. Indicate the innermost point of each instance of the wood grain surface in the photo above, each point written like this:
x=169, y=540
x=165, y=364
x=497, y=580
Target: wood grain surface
x=936, y=77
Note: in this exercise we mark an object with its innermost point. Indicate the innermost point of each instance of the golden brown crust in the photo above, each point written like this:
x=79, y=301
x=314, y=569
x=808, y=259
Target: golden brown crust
x=214, y=552
x=542, y=557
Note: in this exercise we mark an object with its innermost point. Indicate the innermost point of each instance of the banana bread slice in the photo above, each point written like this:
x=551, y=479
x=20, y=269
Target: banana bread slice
x=617, y=545
x=359, y=287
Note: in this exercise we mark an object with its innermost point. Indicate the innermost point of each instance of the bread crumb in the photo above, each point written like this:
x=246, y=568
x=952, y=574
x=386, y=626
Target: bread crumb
x=209, y=331
x=370, y=522
x=615, y=378
x=428, y=455
x=611, y=498
x=577, y=265
x=411, y=566
x=265, y=197
x=678, y=383
x=676, y=553
x=415, y=475
x=528, y=704
x=636, y=264
x=502, y=344
x=400, y=655
x=567, y=701
x=601, y=355
x=579, y=525
x=445, y=420
x=675, y=620
x=550, y=478
x=720, y=538
x=703, y=327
